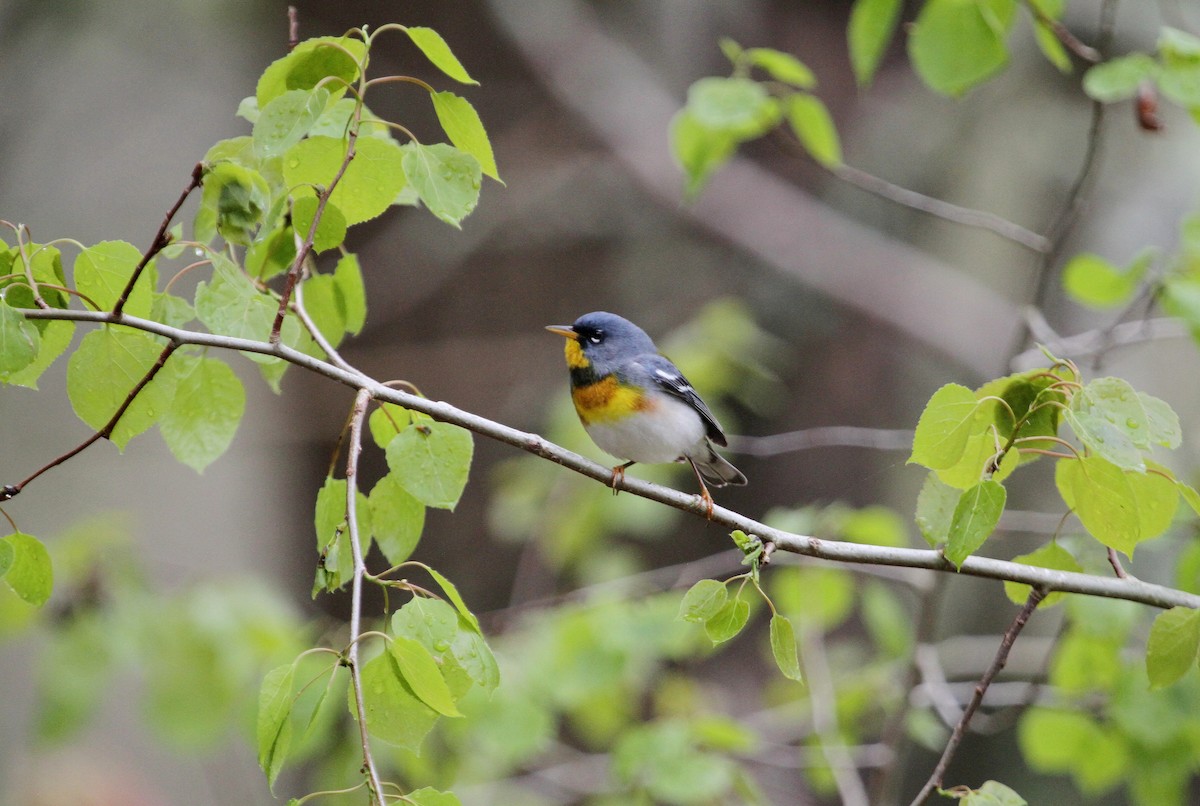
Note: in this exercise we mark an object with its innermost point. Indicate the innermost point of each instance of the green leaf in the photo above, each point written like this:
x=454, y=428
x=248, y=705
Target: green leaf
x=371, y=181
x=286, y=119
x=475, y=657
x=386, y=422
x=1180, y=84
x=431, y=460
x=955, y=45
x=732, y=104
x=1118, y=79
x=351, y=293
x=975, y=518
x=1051, y=556
x=420, y=671
x=104, y=370
x=1102, y=498
x=172, y=310
x=462, y=125
x=814, y=126
x=432, y=622
x=944, y=427
x=233, y=202
x=1178, y=47
x=201, y=418
x=1091, y=280
x=446, y=179
x=994, y=793
x=26, y=568
x=1047, y=41
x=19, y=340
x=331, y=229
x=53, y=342
x=1108, y=417
x=329, y=520
x=230, y=305
x=1190, y=495
x=1172, y=646
x=1156, y=496
x=728, y=621
x=272, y=252
x=428, y=796
x=456, y=599
x=886, y=618
x=977, y=459
x=783, y=648
x=274, y=729
x=698, y=149
x=396, y=518
x=782, y=67
x=394, y=714
x=1162, y=423
x=308, y=64
x=103, y=270
x=321, y=303
x=872, y=26
x=703, y=600
x=438, y=52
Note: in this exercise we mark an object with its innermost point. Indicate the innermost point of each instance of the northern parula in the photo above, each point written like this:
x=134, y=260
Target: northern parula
x=636, y=405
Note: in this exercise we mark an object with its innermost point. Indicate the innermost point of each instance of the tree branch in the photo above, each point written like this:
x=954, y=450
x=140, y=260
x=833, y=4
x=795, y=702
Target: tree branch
x=935, y=779
x=1133, y=590
x=160, y=238
x=358, y=414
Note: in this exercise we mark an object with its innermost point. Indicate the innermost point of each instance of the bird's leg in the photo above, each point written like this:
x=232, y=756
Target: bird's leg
x=705, y=496
x=618, y=474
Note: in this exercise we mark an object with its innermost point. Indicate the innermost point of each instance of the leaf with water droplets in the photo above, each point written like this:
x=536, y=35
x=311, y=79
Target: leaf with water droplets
x=371, y=181
x=447, y=180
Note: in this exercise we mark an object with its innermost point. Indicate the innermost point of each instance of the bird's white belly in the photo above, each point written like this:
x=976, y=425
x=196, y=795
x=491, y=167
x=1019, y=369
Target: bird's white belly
x=670, y=430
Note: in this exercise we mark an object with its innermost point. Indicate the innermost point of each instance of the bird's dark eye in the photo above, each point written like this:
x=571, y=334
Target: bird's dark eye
x=596, y=338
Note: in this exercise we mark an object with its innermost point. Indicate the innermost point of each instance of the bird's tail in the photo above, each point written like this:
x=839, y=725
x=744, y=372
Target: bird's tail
x=717, y=470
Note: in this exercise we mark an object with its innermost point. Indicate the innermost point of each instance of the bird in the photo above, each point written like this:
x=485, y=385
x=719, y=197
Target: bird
x=636, y=405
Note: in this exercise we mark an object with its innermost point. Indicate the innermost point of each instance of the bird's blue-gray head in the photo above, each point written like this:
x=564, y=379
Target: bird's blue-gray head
x=599, y=341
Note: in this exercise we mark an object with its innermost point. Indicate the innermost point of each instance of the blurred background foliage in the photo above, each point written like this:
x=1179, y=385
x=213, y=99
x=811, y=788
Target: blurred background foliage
x=791, y=300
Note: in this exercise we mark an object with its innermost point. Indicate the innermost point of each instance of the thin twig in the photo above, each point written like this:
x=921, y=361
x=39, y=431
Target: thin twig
x=1010, y=635
x=293, y=16
x=1063, y=34
x=1133, y=590
x=841, y=436
x=1115, y=562
x=161, y=238
x=12, y=490
x=353, y=452
x=326, y=346
x=957, y=214
x=821, y=697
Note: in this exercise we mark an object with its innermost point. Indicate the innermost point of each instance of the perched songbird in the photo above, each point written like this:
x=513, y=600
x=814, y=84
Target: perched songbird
x=635, y=404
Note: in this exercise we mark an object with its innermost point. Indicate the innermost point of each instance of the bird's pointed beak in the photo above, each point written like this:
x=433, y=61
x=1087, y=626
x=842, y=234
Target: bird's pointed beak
x=563, y=330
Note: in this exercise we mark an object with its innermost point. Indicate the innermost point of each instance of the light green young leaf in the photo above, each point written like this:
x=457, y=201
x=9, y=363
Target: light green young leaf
x=201, y=418
x=274, y=728
x=813, y=125
x=475, y=657
x=1051, y=556
x=1091, y=280
x=456, y=599
x=431, y=460
x=728, y=621
x=321, y=303
x=19, y=341
x=351, y=293
x=53, y=342
x=1180, y=84
x=308, y=64
x=420, y=671
x=25, y=567
x=438, y=52
x=230, y=305
x=956, y=45
x=286, y=119
x=1173, y=645
x=432, y=622
x=993, y=793
x=730, y=104
x=1190, y=495
x=397, y=519
x=337, y=565
x=371, y=181
x=1118, y=79
x=104, y=370
x=698, y=150
x=782, y=67
x=386, y=422
x=428, y=796
x=944, y=427
x=394, y=714
x=975, y=518
x=172, y=310
x=872, y=26
x=783, y=647
x=233, y=201
x=1162, y=423
x=446, y=179
x=703, y=600
x=462, y=125
x=1102, y=498
x=1156, y=496
x=102, y=271
x=331, y=229
x=935, y=509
